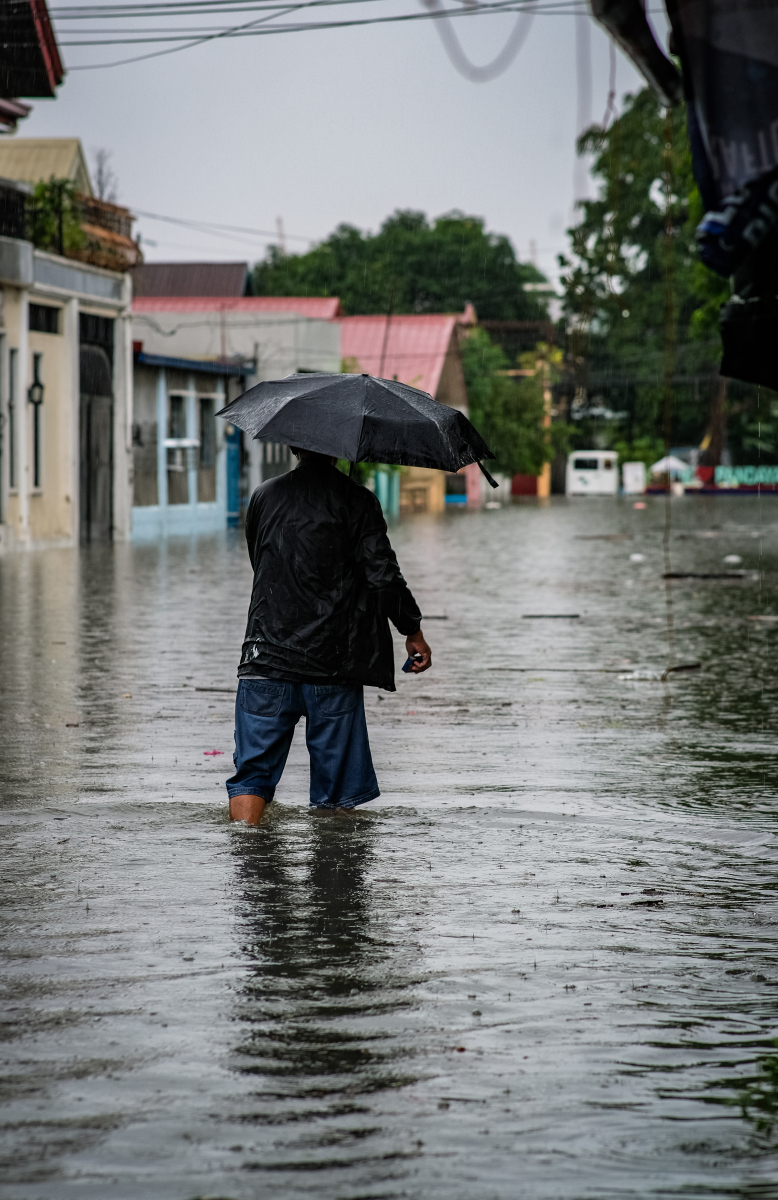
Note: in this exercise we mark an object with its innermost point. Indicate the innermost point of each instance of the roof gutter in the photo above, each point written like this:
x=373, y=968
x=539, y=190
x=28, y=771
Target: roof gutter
x=203, y=366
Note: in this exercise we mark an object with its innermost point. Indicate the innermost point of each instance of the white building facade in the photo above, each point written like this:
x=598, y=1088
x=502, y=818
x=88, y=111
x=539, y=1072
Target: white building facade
x=193, y=472
x=65, y=395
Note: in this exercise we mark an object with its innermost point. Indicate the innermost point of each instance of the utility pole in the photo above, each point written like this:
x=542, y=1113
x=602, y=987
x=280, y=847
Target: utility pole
x=543, y=368
x=385, y=345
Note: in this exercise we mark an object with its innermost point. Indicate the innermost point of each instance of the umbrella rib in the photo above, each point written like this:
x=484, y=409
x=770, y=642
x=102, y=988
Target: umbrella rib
x=359, y=439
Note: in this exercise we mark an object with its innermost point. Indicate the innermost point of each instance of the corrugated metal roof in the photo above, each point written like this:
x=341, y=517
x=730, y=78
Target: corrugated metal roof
x=35, y=159
x=31, y=65
x=322, y=308
x=409, y=348
x=183, y=279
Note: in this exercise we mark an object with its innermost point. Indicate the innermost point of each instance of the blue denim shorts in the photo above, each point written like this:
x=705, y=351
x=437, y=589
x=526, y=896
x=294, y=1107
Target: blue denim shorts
x=266, y=712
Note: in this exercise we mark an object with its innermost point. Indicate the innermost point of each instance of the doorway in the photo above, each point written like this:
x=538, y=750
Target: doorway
x=96, y=444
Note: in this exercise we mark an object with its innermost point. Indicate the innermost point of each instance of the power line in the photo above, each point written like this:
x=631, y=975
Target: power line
x=135, y=11
x=217, y=226
x=561, y=7
x=185, y=8
x=130, y=37
x=253, y=6
x=188, y=46
x=251, y=28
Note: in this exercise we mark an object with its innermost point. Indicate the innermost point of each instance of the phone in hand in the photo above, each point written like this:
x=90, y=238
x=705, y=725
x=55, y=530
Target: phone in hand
x=414, y=658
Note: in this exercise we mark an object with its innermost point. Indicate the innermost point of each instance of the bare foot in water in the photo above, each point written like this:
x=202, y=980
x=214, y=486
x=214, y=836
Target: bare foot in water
x=247, y=808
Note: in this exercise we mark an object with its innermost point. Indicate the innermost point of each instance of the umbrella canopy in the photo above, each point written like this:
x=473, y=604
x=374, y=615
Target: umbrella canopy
x=669, y=463
x=358, y=418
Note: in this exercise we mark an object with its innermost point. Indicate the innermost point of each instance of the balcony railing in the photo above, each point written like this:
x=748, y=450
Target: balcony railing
x=13, y=212
x=69, y=223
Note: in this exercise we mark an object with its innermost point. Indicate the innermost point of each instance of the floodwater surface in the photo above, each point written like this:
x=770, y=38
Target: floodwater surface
x=541, y=966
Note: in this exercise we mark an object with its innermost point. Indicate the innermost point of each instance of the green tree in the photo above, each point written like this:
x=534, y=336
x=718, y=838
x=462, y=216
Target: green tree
x=54, y=217
x=509, y=413
x=643, y=308
x=411, y=265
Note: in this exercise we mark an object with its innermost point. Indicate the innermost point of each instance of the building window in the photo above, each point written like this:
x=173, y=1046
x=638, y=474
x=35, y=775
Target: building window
x=96, y=331
x=207, y=433
x=13, y=357
x=144, y=439
x=177, y=475
x=276, y=459
x=43, y=318
x=37, y=465
x=177, y=419
x=206, y=472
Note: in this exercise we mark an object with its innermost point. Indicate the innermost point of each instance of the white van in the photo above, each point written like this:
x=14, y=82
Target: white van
x=592, y=473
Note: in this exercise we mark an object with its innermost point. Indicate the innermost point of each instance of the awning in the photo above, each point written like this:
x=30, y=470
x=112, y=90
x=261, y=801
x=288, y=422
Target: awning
x=202, y=366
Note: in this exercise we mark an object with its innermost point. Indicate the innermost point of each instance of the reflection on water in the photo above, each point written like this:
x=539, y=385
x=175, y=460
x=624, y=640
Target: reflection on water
x=759, y=1098
x=319, y=987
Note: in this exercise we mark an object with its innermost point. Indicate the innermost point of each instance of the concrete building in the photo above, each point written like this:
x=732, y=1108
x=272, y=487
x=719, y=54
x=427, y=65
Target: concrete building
x=192, y=355
x=65, y=358
x=65, y=392
x=423, y=351
x=106, y=229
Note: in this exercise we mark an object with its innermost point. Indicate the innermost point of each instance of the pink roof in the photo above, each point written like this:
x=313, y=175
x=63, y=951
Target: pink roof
x=413, y=349
x=322, y=308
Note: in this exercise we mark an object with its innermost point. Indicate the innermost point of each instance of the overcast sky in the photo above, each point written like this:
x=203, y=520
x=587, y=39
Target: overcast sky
x=345, y=125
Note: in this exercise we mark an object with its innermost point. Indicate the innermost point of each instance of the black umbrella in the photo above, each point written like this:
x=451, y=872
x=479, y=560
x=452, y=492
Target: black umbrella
x=361, y=419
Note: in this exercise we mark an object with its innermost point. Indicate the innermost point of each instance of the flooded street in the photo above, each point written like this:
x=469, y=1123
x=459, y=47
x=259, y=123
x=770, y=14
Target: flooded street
x=542, y=964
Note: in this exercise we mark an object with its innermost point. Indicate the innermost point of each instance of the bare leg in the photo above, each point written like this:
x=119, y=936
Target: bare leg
x=247, y=808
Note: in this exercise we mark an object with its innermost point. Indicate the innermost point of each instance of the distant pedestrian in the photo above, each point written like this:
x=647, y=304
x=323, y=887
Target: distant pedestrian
x=326, y=585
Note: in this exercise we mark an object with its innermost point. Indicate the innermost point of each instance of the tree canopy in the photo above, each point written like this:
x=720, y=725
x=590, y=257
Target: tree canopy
x=508, y=411
x=54, y=217
x=412, y=265
x=638, y=301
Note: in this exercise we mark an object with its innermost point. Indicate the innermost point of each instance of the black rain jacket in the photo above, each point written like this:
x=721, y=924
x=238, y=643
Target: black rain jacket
x=326, y=581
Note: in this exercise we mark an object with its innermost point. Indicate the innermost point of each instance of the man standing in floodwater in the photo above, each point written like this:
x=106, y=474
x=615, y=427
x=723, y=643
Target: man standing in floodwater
x=326, y=585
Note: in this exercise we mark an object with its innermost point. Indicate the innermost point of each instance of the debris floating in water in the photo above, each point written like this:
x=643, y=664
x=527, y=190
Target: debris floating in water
x=649, y=675
x=603, y=537
x=704, y=575
x=732, y=558
x=693, y=666
x=550, y=616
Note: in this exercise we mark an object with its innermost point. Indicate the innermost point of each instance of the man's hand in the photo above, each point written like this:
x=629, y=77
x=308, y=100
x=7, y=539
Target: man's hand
x=415, y=644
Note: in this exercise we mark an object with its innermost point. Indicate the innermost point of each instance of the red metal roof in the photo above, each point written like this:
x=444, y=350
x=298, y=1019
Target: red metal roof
x=411, y=348
x=322, y=308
